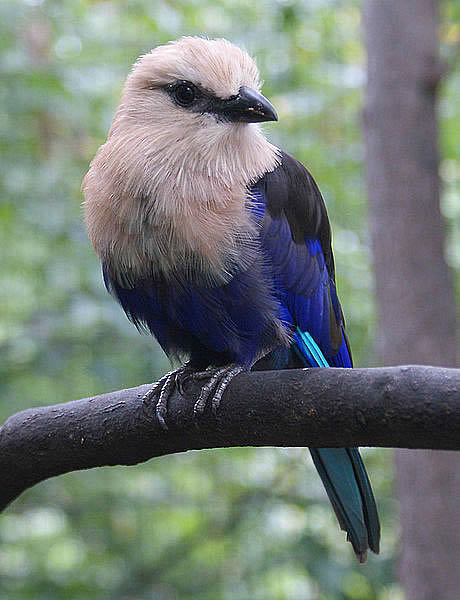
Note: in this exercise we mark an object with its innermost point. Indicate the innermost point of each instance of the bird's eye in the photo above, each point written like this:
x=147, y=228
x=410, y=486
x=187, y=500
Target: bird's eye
x=185, y=94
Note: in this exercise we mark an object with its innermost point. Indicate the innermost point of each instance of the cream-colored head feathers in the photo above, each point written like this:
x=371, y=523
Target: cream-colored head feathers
x=216, y=65
x=168, y=190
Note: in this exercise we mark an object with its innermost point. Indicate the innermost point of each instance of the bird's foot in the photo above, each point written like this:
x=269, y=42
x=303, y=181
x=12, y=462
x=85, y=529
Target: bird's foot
x=163, y=390
x=219, y=379
x=213, y=390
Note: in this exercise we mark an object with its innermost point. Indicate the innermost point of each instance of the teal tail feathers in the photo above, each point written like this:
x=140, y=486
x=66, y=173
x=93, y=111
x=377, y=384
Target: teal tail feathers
x=347, y=485
x=342, y=471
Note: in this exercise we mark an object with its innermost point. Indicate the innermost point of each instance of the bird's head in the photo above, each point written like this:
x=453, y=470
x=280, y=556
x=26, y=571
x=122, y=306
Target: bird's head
x=192, y=98
x=196, y=80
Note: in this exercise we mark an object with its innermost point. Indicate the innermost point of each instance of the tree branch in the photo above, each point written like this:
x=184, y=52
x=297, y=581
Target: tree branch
x=405, y=407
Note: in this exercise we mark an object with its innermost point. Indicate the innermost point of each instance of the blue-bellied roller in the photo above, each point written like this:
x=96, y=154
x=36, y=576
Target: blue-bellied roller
x=218, y=243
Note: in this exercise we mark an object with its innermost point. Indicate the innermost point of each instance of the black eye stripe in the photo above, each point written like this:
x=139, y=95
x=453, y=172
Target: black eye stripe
x=196, y=99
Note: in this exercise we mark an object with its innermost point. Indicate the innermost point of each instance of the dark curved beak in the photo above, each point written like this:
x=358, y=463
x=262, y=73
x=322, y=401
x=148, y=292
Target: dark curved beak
x=248, y=106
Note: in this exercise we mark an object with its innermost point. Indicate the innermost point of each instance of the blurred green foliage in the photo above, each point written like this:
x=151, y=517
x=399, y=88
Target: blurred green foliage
x=233, y=524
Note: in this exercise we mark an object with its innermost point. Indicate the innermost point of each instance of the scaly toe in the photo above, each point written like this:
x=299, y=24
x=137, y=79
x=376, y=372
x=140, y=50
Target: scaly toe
x=222, y=386
x=164, y=389
x=154, y=390
x=182, y=376
x=161, y=408
x=214, y=389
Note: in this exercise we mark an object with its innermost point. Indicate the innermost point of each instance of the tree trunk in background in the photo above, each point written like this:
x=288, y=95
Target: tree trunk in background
x=414, y=289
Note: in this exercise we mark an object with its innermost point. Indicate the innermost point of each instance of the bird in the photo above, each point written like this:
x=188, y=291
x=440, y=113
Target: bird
x=218, y=243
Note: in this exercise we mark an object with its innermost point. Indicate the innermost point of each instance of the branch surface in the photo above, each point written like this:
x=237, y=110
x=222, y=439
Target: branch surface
x=404, y=407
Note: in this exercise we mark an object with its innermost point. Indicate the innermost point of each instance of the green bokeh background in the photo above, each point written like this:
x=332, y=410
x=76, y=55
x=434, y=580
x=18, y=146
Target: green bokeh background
x=234, y=524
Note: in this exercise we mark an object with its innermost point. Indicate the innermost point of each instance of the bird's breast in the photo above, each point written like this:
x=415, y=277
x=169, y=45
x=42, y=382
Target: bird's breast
x=171, y=211
x=191, y=238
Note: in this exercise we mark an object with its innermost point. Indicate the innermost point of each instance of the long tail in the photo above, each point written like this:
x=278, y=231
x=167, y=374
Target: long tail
x=350, y=493
x=344, y=475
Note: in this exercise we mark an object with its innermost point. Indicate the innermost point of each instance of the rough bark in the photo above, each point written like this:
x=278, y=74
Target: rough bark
x=413, y=284
x=410, y=407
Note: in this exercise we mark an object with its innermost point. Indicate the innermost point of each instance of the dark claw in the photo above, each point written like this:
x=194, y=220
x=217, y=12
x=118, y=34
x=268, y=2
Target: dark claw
x=161, y=412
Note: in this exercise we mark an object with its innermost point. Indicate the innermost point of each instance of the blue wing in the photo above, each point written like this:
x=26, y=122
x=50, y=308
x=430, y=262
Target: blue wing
x=295, y=241
x=306, y=293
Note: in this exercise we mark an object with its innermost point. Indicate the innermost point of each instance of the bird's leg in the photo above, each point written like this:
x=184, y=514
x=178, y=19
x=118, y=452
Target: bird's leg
x=164, y=388
x=219, y=380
